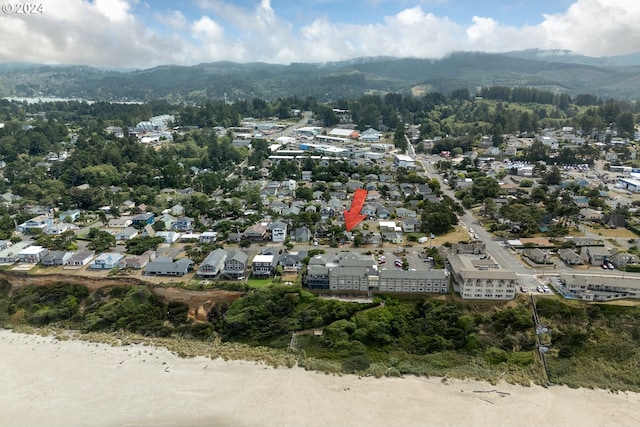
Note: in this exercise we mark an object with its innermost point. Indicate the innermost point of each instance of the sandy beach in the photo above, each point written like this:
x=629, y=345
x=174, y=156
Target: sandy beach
x=78, y=383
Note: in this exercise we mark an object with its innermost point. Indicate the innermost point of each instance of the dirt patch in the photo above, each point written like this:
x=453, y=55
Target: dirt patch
x=200, y=302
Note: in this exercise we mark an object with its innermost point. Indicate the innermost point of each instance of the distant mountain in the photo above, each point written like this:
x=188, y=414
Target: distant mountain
x=569, y=57
x=561, y=71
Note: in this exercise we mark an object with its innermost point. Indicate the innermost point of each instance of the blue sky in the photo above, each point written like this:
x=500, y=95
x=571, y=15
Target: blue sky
x=145, y=33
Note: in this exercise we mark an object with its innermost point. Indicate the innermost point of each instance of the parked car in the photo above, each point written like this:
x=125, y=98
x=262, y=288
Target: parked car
x=524, y=289
x=605, y=266
x=611, y=266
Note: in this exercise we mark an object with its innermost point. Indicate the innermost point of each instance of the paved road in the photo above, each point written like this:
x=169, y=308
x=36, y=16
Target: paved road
x=503, y=255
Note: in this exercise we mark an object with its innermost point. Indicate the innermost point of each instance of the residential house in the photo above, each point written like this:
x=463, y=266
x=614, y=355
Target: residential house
x=595, y=255
x=55, y=229
x=301, y=235
x=369, y=210
x=208, y=237
x=184, y=223
x=371, y=238
x=9, y=255
x=167, y=219
x=292, y=262
x=143, y=219
x=234, y=237
x=621, y=259
x=235, y=264
x=80, y=258
x=536, y=255
x=405, y=213
x=382, y=212
x=126, y=234
x=136, y=262
x=591, y=215
x=166, y=266
x=32, y=254
x=581, y=201
x=264, y=265
x=106, y=261
x=168, y=236
x=70, y=215
x=256, y=232
x=293, y=210
x=394, y=237
x=278, y=230
x=127, y=206
x=56, y=258
x=212, y=264
x=278, y=206
x=410, y=225
x=36, y=223
x=122, y=222
x=570, y=257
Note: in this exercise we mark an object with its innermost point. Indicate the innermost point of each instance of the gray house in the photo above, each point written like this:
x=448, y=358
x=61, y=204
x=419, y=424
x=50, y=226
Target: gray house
x=80, y=258
x=126, y=234
x=165, y=266
x=235, y=264
x=212, y=264
x=570, y=257
x=56, y=258
x=301, y=235
x=595, y=255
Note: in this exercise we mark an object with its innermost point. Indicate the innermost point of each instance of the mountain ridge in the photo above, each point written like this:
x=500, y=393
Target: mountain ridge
x=558, y=71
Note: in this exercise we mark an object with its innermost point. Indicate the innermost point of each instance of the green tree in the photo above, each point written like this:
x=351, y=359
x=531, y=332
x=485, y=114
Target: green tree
x=100, y=240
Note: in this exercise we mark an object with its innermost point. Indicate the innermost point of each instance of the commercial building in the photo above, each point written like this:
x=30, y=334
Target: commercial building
x=481, y=278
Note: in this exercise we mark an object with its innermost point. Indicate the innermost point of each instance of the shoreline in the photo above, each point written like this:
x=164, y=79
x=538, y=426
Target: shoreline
x=78, y=383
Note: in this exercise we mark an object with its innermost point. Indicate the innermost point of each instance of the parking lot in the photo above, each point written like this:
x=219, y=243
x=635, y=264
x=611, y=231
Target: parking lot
x=416, y=263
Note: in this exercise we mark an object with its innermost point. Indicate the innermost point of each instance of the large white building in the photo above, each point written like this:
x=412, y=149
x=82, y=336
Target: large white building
x=404, y=161
x=630, y=184
x=477, y=278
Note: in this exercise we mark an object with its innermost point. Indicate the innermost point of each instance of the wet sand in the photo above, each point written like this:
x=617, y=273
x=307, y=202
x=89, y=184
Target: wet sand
x=46, y=382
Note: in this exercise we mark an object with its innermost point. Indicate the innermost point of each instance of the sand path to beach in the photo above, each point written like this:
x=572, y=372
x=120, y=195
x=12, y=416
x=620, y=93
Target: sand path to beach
x=46, y=382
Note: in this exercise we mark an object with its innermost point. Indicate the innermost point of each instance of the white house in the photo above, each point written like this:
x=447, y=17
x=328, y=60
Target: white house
x=278, y=231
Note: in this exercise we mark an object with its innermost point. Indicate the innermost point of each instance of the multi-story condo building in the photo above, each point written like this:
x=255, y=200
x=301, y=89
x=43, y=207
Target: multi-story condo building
x=475, y=278
x=601, y=288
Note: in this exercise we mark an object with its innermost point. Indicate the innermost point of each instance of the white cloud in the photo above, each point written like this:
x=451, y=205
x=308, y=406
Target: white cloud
x=116, y=33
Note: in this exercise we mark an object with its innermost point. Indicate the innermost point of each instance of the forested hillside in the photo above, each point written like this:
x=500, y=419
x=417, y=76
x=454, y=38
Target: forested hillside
x=327, y=81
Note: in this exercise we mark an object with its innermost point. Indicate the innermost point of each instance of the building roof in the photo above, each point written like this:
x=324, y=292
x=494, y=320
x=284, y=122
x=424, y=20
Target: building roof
x=263, y=258
x=215, y=257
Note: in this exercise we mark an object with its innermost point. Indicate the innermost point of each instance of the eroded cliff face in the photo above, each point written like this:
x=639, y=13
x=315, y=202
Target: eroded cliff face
x=200, y=302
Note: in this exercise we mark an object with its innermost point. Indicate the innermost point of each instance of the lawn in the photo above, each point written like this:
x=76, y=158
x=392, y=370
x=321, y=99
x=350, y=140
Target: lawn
x=258, y=283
